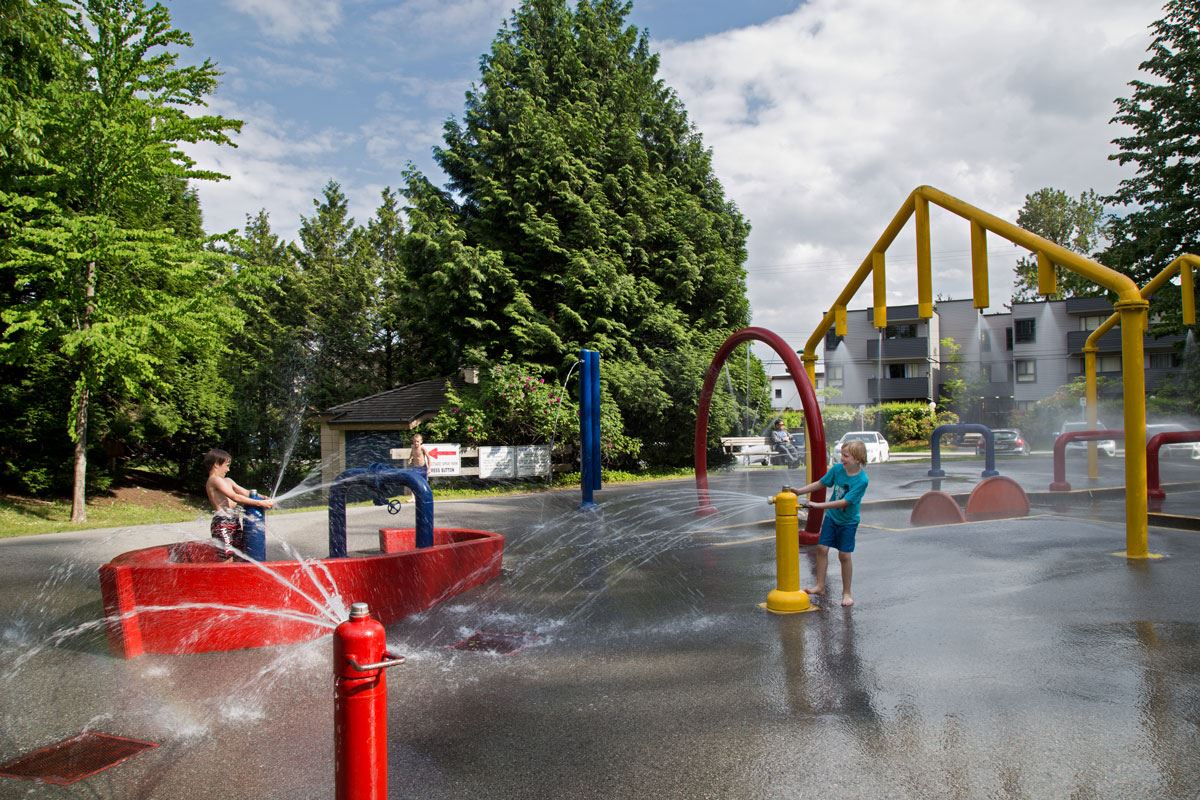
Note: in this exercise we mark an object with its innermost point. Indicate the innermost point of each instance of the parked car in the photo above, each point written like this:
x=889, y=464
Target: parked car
x=1007, y=440
x=1180, y=450
x=1106, y=446
x=878, y=449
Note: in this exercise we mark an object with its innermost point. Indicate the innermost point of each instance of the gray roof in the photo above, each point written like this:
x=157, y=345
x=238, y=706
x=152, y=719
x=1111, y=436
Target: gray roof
x=404, y=404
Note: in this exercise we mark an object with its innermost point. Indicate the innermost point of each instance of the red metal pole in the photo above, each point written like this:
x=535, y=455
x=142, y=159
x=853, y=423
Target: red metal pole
x=360, y=707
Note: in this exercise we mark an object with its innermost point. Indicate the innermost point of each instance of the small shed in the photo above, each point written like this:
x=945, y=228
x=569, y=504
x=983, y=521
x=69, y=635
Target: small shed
x=360, y=432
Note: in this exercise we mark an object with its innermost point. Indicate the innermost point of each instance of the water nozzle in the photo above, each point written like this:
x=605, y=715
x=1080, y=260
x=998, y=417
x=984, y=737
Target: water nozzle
x=359, y=610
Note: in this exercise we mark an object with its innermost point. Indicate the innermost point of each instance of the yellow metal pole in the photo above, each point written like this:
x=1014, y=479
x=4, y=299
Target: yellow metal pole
x=1187, y=288
x=1133, y=376
x=924, y=261
x=810, y=366
x=787, y=597
x=879, y=289
x=839, y=320
x=979, y=266
x=1047, y=277
x=1091, y=401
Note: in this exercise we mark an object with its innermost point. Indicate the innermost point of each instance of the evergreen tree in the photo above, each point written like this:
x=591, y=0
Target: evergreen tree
x=582, y=211
x=1075, y=224
x=337, y=290
x=1162, y=200
x=385, y=253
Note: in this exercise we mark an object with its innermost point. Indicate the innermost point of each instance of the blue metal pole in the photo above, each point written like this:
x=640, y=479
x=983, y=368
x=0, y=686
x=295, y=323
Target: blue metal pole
x=596, y=474
x=586, y=432
x=337, y=522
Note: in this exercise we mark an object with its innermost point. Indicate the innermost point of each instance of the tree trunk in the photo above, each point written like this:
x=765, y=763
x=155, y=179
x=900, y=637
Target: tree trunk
x=78, y=495
x=79, y=490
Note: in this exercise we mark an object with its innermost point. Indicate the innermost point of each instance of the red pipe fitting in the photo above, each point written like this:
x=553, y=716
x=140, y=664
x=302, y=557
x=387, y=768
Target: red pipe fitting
x=360, y=706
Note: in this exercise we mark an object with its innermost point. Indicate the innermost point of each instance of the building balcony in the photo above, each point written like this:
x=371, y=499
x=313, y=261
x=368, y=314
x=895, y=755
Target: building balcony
x=896, y=314
x=916, y=348
x=1113, y=387
x=899, y=388
x=1088, y=306
x=1111, y=342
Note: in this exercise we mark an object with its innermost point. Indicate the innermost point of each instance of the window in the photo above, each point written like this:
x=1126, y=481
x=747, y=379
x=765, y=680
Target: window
x=907, y=330
x=779, y=394
x=1162, y=360
x=1109, y=363
x=1008, y=338
x=1090, y=323
x=895, y=370
x=1025, y=330
x=1026, y=370
x=833, y=374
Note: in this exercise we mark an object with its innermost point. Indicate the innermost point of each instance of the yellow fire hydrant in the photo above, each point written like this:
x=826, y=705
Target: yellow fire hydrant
x=787, y=597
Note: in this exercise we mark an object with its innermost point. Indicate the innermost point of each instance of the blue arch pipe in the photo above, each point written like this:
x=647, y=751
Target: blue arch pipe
x=383, y=481
x=989, y=452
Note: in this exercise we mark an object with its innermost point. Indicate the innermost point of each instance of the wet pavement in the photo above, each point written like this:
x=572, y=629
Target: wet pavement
x=1002, y=659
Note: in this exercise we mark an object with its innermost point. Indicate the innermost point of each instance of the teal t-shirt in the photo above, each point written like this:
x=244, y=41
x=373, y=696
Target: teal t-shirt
x=850, y=488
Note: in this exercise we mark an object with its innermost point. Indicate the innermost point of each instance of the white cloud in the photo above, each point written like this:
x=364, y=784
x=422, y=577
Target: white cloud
x=293, y=20
x=822, y=122
x=431, y=24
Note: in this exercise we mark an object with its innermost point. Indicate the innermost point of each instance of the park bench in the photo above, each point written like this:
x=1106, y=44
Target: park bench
x=752, y=449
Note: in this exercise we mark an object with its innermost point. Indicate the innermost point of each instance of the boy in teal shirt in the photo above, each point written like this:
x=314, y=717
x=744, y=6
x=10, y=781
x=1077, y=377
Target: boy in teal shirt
x=848, y=481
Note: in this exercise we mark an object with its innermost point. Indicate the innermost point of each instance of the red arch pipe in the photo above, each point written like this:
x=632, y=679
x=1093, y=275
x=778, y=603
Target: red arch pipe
x=1060, y=453
x=808, y=401
x=1154, y=489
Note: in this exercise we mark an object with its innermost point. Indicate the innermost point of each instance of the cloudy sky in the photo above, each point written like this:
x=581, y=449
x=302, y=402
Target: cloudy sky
x=822, y=115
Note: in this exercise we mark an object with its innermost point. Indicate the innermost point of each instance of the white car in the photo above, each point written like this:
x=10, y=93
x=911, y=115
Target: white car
x=878, y=449
x=1179, y=450
x=1106, y=446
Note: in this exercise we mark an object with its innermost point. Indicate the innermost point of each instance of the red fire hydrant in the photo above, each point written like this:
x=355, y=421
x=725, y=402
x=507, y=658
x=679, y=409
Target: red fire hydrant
x=360, y=706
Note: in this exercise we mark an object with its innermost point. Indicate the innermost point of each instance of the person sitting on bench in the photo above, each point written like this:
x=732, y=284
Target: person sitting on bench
x=781, y=442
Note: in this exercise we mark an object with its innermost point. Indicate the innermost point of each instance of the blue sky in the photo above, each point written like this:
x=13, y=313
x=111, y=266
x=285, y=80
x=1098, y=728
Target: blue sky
x=822, y=115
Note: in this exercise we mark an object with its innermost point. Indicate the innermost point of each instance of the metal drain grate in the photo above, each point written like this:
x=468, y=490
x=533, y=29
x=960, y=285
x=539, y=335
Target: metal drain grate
x=502, y=642
x=74, y=759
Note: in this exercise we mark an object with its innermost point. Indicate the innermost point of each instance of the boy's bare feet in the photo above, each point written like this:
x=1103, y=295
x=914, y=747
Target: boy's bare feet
x=815, y=590
x=847, y=601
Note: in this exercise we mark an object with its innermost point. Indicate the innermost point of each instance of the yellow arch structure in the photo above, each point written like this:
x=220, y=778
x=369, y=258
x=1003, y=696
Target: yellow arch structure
x=1182, y=266
x=1131, y=307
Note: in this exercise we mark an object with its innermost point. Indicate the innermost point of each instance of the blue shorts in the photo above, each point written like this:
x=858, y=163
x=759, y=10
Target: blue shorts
x=839, y=537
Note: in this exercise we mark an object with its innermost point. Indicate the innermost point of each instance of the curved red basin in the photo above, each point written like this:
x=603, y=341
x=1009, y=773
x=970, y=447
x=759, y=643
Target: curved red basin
x=180, y=598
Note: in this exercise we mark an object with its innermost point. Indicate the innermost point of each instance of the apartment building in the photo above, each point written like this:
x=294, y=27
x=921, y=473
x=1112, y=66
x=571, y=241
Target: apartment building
x=1023, y=354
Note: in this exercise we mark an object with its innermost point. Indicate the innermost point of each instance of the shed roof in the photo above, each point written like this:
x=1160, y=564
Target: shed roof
x=404, y=404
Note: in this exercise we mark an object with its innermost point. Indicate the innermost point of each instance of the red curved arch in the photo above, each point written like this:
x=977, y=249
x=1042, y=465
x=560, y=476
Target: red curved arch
x=808, y=401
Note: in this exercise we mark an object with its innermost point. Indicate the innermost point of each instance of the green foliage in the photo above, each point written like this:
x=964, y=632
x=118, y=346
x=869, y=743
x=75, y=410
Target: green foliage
x=104, y=273
x=1076, y=224
x=518, y=404
x=1160, y=202
x=912, y=422
x=582, y=211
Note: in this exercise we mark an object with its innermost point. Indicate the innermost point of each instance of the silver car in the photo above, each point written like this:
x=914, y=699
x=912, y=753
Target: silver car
x=1106, y=446
x=1179, y=450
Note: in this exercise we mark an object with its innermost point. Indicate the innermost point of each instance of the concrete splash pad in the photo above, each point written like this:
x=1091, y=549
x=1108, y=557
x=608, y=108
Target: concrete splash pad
x=182, y=598
x=1011, y=658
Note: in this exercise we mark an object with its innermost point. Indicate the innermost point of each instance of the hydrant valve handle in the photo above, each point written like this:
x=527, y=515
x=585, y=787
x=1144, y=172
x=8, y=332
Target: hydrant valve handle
x=394, y=661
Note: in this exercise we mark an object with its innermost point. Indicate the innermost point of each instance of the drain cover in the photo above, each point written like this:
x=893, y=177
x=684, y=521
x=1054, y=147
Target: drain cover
x=73, y=759
x=502, y=642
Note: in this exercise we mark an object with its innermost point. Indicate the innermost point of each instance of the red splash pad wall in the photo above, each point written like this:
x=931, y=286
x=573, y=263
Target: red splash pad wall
x=179, y=598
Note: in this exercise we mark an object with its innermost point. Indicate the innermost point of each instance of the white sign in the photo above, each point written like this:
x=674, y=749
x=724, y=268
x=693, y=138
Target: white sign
x=514, y=462
x=497, y=463
x=533, y=459
x=443, y=459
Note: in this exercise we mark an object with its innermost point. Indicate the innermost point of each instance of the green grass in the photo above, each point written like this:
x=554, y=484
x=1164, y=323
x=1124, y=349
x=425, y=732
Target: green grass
x=25, y=516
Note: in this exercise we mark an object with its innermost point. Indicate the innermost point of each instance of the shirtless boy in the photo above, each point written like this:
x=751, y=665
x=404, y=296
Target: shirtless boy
x=227, y=498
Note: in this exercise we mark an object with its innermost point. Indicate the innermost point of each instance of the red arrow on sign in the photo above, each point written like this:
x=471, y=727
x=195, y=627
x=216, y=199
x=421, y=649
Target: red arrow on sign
x=434, y=453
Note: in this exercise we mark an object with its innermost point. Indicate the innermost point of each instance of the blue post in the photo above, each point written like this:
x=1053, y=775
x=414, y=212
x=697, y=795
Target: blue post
x=989, y=451
x=587, y=431
x=254, y=528
x=596, y=421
